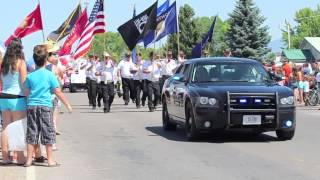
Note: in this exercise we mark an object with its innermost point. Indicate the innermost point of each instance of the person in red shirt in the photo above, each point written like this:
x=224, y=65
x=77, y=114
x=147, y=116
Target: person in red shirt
x=287, y=71
x=273, y=66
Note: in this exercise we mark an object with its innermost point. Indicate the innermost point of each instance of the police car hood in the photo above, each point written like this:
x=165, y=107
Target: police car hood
x=220, y=89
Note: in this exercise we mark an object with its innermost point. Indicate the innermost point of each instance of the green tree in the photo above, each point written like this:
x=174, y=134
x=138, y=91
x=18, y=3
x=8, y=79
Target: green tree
x=188, y=33
x=247, y=37
x=308, y=23
x=111, y=42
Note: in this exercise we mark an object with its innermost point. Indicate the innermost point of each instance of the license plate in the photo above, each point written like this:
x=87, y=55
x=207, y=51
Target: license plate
x=252, y=120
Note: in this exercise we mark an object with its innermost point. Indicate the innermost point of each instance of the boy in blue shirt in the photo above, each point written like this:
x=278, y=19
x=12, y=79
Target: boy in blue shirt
x=40, y=84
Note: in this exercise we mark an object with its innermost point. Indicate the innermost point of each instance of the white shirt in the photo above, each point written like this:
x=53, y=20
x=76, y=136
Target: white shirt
x=107, y=71
x=125, y=66
x=91, y=72
x=138, y=67
x=318, y=77
x=168, y=67
x=155, y=71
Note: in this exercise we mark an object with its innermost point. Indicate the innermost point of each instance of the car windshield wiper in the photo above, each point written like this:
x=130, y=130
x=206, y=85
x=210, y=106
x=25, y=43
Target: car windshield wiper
x=238, y=81
x=221, y=81
x=269, y=81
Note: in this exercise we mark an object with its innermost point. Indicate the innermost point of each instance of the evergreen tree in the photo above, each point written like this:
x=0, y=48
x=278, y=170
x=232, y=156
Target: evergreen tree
x=247, y=37
x=188, y=32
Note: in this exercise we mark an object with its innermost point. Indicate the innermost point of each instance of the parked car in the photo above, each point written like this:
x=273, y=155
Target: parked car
x=206, y=95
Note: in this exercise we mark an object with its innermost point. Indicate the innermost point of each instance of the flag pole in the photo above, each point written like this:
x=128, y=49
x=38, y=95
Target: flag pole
x=178, y=26
x=43, y=38
x=104, y=34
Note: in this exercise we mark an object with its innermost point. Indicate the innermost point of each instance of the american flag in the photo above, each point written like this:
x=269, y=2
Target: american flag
x=96, y=24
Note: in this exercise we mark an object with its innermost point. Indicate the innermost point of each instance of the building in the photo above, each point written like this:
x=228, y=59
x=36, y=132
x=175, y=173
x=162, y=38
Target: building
x=298, y=56
x=312, y=44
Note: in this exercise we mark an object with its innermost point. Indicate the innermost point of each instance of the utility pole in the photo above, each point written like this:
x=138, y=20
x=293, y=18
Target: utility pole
x=289, y=35
x=288, y=30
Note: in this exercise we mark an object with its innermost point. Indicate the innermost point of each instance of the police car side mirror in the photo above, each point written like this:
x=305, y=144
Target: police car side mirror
x=178, y=77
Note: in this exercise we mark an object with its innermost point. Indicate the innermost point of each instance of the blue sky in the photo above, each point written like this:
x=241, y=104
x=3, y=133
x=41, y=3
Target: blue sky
x=54, y=12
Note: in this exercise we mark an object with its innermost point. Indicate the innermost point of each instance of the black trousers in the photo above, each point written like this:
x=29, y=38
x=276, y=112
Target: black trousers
x=153, y=93
x=128, y=89
x=138, y=86
x=100, y=93
x=144, y=90
x=93, y=93
x=88, y=81
x=107, y=94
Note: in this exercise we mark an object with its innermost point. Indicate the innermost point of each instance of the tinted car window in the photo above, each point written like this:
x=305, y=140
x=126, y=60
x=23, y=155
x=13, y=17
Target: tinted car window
x=229, y=71
x=186, y=71
x=179, y=70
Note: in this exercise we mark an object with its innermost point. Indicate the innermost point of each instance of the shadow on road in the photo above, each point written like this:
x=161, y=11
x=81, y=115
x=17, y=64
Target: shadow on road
x=218, y=137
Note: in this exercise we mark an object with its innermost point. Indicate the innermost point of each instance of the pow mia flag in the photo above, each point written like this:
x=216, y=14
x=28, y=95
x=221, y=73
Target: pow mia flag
x=139, y=26
x=66, y=26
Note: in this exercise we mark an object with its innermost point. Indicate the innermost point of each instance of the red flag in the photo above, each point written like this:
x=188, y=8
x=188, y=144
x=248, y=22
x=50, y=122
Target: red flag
x=75, y=34
x=30, y=24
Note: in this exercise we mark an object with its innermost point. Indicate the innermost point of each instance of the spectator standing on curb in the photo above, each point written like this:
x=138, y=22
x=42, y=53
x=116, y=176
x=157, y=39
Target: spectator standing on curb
x=287, y=71
x=12, y=76
x=39, y=86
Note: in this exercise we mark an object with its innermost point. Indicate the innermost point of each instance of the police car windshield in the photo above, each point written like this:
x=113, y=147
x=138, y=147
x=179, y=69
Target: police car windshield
x=229, y=72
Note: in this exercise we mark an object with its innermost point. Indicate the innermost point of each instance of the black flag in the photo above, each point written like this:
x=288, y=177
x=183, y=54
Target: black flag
x=139, y=26
x=66, y=26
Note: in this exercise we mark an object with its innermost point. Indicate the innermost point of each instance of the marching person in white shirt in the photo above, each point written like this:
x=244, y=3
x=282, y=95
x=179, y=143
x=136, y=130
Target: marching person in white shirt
x=107, y=73
x=125, y=66
x=92, y=90
x=169, y=65
x=153, y=69
x=87, y=65
x=137, y=78
x=181, y=58
x=100, y=62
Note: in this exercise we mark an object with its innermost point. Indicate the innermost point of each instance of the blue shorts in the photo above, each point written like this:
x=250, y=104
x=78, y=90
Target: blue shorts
x=19, y=104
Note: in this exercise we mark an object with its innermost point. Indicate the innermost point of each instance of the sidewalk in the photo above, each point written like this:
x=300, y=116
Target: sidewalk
x=303, y=107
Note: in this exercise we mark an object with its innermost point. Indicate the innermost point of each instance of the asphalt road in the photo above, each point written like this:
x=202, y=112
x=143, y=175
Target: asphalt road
x=129, y=144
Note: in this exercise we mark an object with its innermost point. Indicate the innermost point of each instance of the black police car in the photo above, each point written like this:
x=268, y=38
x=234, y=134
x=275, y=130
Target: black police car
x=227, y=94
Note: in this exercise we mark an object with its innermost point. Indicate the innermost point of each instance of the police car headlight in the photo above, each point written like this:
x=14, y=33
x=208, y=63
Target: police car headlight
x=204, y=100
x=207, y=101
x=212, y=101
x=287, y=100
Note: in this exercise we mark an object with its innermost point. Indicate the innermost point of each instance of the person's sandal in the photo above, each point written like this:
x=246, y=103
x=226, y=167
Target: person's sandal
x=5, y=163
x=27, y=165
x=40, y=159
x=54, y=165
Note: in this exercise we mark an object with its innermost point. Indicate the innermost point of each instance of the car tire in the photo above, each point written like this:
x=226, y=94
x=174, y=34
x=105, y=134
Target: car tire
x=192, y=133
x=166, y=123
x=285, y=135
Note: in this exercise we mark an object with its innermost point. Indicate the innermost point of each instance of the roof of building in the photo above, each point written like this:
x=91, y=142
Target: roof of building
x=294, y=54
x=314, y=41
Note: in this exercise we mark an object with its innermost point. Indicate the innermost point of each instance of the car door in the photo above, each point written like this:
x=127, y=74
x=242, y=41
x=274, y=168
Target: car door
x=180, y=92
x=170, y=93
